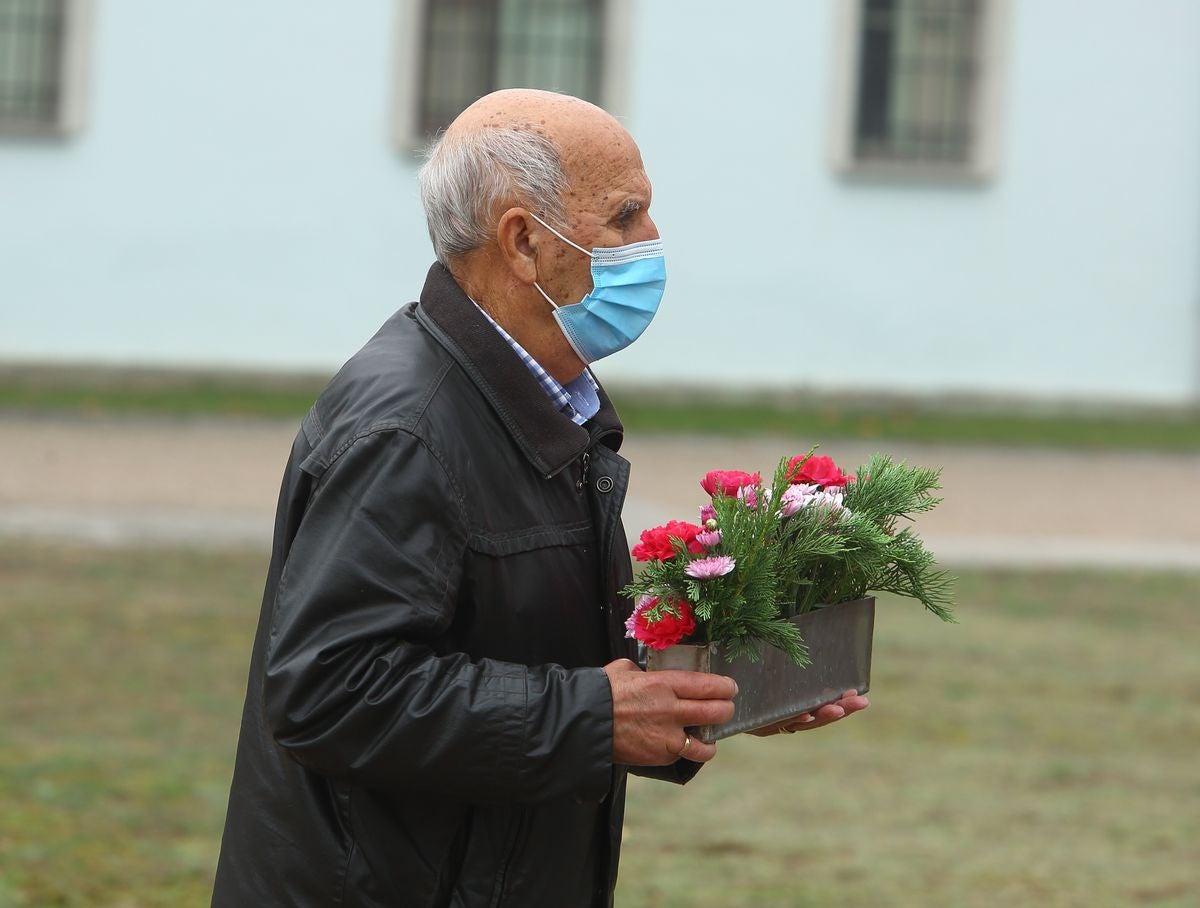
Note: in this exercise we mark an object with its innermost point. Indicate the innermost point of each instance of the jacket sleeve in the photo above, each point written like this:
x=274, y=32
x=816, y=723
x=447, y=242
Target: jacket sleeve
x=680, y=772
x=355, y=686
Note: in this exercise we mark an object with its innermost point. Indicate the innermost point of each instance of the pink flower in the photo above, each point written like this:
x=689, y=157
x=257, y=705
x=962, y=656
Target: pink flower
x=709, y=538
x=707, y=513
x=804, y=495
x=750, y=496
x=643, y=603
x=796, y=497
x=727, y=482
x=827, y=498
x=710, y=568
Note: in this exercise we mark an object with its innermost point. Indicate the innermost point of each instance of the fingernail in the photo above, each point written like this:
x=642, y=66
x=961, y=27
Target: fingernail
x=735, y=687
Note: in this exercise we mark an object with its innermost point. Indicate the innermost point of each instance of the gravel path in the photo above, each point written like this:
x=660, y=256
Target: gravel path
x=214, y=482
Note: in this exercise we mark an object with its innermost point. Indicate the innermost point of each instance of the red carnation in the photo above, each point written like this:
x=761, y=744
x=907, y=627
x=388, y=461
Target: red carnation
x=668, y=629
x=656, y=542
x=818, y=471
x=727, y=482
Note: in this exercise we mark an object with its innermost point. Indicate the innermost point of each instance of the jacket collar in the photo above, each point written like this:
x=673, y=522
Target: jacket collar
x=547, y=438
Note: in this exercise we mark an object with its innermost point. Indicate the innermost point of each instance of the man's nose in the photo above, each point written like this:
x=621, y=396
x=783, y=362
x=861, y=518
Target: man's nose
x=651, y=230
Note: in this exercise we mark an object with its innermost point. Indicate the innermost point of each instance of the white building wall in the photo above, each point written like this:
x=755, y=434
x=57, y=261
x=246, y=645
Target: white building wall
x=235, y=200
x=1074, y=271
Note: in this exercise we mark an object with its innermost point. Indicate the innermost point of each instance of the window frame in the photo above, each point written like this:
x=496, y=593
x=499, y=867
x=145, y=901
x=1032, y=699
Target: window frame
x=406, y=71
x=982, y=163
x=74, y=65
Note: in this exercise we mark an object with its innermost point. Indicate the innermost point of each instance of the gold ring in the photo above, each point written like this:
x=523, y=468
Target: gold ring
x=687, y=742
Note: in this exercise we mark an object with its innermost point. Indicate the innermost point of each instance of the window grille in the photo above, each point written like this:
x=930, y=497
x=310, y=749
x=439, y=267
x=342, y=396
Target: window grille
x=32, y=38
x=472, y=47
x=919, y=72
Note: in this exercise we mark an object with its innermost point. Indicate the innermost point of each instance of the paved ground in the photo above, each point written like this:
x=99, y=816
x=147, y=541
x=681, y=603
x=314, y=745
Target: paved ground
x=215, y=482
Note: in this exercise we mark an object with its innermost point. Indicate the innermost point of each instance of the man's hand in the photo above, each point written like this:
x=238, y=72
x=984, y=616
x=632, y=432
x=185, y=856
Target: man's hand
x=651, y=710
x=850, y=702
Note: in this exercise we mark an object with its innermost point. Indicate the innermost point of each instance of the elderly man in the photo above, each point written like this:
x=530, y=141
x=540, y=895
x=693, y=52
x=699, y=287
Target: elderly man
x=441, y=710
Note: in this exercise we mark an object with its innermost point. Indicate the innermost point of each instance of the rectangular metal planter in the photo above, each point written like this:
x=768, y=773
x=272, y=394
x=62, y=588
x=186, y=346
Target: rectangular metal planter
x=775, y=688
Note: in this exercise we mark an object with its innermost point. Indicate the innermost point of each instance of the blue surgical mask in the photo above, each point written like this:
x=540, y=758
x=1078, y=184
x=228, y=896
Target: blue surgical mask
x=627, y=286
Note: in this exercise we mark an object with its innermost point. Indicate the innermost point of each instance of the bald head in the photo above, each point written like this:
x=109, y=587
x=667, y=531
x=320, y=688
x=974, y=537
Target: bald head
x=512, y=147
x=570, y=124
x=526, y=108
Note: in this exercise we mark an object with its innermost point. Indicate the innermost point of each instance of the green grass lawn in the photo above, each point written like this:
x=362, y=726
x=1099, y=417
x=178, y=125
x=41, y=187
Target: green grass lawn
x=1042, y=752
x=103, y=393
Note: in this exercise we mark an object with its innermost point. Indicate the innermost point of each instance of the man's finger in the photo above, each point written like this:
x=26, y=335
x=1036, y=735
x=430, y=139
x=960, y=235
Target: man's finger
x=830, y=711
x=622, y=665
x=700, y=752
x=699, y=685
x=696, y=751
x=703, y=712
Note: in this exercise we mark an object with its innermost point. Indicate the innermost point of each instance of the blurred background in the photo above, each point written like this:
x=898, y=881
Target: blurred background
x=965, y=232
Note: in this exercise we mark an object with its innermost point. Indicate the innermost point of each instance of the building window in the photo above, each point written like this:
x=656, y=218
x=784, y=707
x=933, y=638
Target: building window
x=920, y=93
x=452, y=52
x=40, y=66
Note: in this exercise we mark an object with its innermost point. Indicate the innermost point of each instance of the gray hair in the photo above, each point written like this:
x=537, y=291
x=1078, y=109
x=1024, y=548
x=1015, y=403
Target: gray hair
x=466, y=176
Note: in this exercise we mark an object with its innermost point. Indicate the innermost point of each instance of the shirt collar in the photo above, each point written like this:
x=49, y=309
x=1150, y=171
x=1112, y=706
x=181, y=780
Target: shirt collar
x=577, y=399
x=536, y=425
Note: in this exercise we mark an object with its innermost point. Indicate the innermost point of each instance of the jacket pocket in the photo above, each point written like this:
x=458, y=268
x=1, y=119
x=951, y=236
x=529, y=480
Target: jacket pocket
x=499, y=545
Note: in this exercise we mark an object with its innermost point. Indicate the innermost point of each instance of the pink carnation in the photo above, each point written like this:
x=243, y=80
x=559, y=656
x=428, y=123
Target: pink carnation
x=643, y=603
x=749, y=495
x=710, y=568
x=832, y=500
x=797, y=496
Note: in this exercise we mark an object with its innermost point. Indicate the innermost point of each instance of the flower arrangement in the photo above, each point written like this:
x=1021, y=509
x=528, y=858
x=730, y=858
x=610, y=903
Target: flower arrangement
x=761, y=555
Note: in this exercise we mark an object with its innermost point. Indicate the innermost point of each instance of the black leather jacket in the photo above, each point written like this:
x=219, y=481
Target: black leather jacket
x=426, y=723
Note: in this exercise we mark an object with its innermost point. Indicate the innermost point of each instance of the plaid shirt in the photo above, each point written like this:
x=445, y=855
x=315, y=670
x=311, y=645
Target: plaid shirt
x=577, y=400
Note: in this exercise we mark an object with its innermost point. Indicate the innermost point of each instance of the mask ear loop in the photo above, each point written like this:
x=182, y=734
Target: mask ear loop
x=560, y=236
x=545, y=295
x=565, y=240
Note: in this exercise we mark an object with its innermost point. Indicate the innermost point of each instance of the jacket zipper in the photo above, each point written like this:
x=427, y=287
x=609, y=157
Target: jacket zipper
x=584, y=461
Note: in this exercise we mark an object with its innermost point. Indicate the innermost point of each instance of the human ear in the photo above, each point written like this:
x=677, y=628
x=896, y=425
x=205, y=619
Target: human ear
x=518, y=244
